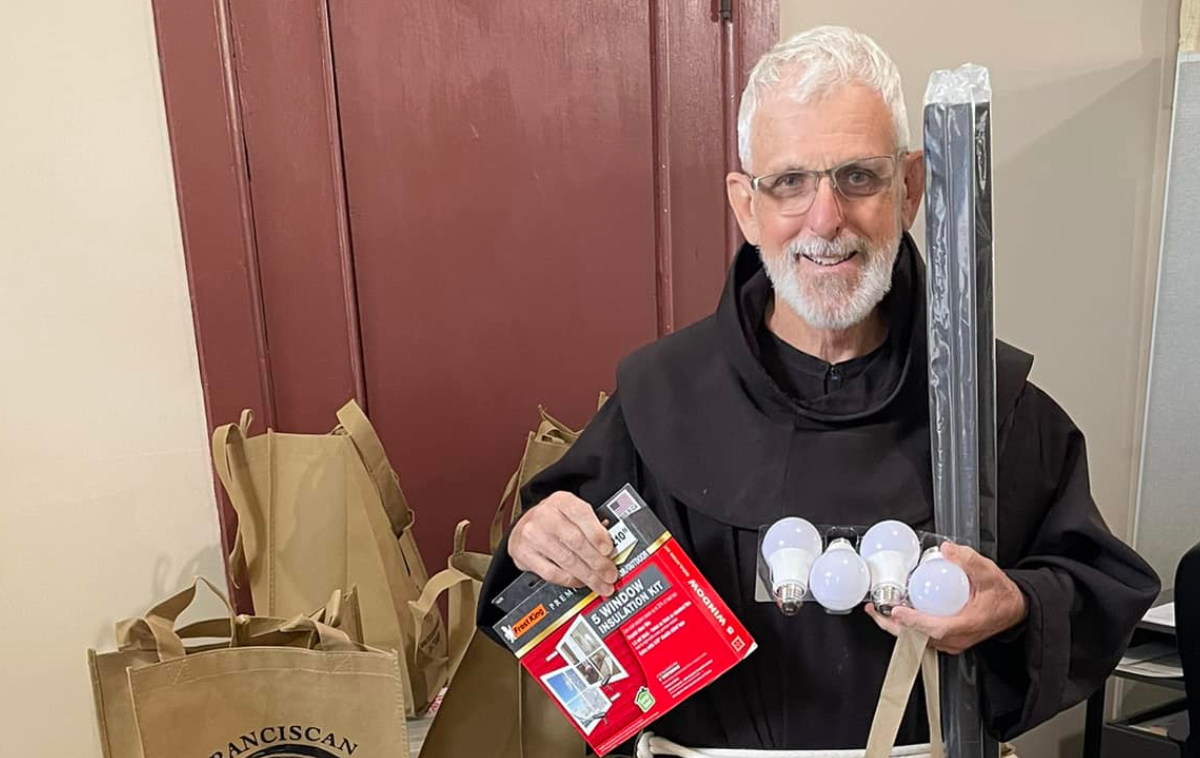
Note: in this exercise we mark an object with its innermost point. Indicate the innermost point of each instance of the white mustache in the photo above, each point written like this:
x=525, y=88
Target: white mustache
x=817, y=247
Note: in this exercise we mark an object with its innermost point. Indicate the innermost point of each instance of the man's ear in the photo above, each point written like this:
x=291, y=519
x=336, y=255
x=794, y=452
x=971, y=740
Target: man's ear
x=914, y=186
x=741, y=197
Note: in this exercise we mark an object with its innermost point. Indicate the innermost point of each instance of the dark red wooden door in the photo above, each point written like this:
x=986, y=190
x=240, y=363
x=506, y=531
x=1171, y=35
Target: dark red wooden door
x=453, y=210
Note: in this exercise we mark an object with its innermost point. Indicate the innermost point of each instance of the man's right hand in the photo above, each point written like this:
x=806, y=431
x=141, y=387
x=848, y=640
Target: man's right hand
x=562, y=541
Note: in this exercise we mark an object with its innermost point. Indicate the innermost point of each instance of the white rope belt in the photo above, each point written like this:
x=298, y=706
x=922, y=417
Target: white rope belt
x=649, y=746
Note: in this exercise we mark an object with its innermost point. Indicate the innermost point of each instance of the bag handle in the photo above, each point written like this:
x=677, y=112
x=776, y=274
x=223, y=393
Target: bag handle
x=331, y=612
x=549, y=430
x=241, y=631
x=156, y=630
x=238, y=630
x=457, y=637
x=330, y=639
x=356, y=425
x=910, y=655
x=474, y=565
x=240, y=495
x=459, y=545
x=568, y=434
x=496, y=530
x=438, y=584
x=931, y=679
x=216, y=628
x=461, y=626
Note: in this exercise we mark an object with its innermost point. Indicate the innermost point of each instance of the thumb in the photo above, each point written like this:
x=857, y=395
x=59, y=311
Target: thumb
x=981, y=572
x=960, y=554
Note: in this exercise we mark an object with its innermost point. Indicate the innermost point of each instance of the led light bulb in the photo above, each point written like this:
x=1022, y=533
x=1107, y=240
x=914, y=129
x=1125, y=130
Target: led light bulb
x=938, y=587
x=891, y=549
x=840, y=578
x=789, y=548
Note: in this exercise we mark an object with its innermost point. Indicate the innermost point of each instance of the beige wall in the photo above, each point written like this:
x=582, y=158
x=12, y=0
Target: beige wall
x=105, y=495
x=1081, y=109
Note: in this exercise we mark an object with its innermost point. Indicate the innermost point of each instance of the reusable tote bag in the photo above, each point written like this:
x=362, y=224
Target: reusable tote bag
x=137, y=647
x=337, y=700
x=320, y=512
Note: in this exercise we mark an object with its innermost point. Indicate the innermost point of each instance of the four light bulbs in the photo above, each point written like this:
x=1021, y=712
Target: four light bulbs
x=888, y=568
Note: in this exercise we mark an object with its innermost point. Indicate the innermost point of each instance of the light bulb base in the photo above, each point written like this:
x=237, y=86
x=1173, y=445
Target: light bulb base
x=932, y=554
x=885, y=597
x=789, y=597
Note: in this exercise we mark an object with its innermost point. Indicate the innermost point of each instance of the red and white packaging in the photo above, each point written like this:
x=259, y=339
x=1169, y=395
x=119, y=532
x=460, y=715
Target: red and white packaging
x=614, y=665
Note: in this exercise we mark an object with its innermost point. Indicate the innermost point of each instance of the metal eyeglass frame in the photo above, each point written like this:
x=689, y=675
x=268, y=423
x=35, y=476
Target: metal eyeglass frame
x=755, y=181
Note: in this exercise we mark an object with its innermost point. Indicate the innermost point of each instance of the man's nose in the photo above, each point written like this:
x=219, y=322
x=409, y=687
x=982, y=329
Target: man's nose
x=824, y=219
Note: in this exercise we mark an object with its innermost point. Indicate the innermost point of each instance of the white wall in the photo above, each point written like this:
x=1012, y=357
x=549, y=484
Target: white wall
x=1081, y=109
x=106, y=500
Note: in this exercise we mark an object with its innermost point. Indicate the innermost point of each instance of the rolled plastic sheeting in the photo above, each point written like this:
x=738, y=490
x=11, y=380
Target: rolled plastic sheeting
x=962, y=363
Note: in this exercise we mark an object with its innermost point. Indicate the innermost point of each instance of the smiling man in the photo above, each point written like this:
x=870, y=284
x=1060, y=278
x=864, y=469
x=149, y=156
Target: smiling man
x=806, y=393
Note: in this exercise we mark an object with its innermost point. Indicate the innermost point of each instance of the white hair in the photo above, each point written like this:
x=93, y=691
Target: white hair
x=816, y=62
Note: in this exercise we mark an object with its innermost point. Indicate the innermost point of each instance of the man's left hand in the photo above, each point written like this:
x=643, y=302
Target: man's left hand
x=996, y=605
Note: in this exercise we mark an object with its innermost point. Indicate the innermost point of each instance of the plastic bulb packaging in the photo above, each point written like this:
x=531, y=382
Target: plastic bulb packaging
x=938, y=586
x=790, y=547
x=858, y=563
x=891, y=549
x=840, y=578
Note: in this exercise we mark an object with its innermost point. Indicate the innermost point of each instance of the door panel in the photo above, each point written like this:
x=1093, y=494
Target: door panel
x=690, y=131
x=289, y=117
x=502, y=211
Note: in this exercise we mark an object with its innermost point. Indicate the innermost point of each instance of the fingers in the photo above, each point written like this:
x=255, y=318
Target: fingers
x=570, y=552
x=983, y=575
x=563, y=544
x=972, y=563
x=948, y=634
x=973, y=624
x=584, y=518
x=544, y=549
x=584, y=543
x=933, y=627
x=883, y=622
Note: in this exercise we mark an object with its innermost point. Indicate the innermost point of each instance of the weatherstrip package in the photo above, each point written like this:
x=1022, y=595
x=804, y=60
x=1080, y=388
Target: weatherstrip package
x=615, y=664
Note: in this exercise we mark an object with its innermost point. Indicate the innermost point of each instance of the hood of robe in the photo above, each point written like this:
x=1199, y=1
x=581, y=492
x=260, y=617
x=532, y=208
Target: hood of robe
x=744, y=301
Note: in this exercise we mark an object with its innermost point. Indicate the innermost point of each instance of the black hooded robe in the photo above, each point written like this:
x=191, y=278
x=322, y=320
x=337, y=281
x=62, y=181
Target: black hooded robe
x=701, y=427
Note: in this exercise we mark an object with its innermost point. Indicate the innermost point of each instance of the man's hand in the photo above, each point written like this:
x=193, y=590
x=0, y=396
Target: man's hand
x=996, y=604
x=561, y=540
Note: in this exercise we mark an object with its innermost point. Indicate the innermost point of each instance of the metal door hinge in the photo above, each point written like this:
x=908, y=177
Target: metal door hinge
x=725, y=10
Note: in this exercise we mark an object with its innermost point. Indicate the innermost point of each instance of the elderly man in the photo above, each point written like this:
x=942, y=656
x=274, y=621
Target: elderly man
x=806, y=393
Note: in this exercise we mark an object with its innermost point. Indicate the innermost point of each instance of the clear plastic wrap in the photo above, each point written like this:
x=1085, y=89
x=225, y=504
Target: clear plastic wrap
x=962, y=374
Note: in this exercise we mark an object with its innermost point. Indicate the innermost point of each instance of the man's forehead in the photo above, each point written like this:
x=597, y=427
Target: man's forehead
x=848, y=122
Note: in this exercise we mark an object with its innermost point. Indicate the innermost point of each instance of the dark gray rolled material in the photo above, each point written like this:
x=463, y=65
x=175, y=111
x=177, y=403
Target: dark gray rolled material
x=962, y=363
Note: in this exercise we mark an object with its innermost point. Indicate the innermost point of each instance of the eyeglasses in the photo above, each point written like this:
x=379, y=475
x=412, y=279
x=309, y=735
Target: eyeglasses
x=795, y=190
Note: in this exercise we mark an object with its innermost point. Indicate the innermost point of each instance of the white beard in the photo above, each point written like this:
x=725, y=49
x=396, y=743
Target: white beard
x=833, y=302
